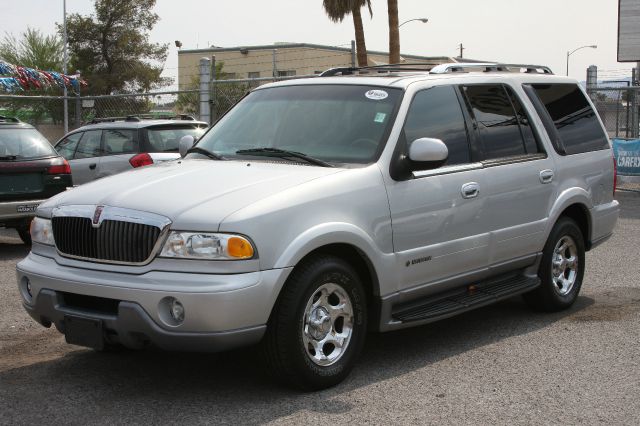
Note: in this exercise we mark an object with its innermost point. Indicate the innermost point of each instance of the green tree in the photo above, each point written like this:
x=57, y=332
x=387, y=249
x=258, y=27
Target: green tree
x=112, y=49
x=337, y=10
x=33, y=49
x=394, y=32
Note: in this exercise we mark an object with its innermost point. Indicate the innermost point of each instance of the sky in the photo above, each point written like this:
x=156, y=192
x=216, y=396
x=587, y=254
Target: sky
x=510, y=31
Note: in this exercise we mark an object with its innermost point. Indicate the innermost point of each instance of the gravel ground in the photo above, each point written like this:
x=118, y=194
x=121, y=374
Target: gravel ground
x=502, y=364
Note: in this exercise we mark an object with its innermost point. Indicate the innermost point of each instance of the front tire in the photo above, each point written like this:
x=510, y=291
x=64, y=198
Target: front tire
x=318, y=326
x=561, y=269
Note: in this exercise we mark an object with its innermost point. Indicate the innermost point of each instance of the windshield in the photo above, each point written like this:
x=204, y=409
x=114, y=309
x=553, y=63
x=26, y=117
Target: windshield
x=332, y=123
x=167, y=138
x=24, y=144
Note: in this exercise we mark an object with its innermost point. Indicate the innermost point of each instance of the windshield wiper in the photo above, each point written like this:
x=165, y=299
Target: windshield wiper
x=205, y=152
x=283, y=153
x=8, y=157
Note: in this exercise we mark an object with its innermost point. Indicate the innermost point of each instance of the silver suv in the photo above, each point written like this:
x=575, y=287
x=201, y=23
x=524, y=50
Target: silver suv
x=108, y=146
x=317, y=210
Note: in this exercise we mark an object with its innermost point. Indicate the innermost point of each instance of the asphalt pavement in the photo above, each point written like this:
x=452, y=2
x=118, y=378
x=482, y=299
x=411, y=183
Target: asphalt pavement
x=502, y=364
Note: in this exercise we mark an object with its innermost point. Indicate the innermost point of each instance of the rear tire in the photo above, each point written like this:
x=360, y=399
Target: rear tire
x=25, y=236
x=318, y=326
x=561, y=269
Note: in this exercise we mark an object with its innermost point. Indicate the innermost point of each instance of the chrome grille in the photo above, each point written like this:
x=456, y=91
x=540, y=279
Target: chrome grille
x=113, y=241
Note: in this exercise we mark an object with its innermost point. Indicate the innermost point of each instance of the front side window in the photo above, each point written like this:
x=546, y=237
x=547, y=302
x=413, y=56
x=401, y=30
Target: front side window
x=574, y=119
x=24, y=144
x=436, y=113
x=89, y=145
x=117, y=141
x=67, y=146
x=496, y=120
x=332, y=123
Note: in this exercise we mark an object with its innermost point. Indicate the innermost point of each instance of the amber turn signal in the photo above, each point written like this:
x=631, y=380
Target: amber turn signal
x=239, y=248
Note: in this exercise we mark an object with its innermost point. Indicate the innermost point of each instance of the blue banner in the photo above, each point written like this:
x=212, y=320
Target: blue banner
x=627, y=153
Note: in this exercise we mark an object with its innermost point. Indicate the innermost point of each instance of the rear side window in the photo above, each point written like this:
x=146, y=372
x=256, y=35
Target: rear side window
x=67, y=146
x=497, y=122
x=436, y=113
x=575, y=121
x=89, y=145
x=117, y=141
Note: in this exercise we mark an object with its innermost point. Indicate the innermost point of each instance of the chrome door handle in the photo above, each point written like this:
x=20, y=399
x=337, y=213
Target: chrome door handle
x=470, y=190
x=546, y=176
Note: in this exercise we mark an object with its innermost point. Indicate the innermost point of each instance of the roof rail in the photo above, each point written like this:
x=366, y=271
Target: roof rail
x=141, y=117
x=490, y=67
x=9, y=119
x=380, y=68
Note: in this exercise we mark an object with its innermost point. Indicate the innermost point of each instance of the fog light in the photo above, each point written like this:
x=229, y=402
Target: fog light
x=26, y=290
x=177, y=311
x=29, y=288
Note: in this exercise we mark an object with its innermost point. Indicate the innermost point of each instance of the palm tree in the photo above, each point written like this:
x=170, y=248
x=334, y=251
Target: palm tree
x=337, y=10
x=394, y=32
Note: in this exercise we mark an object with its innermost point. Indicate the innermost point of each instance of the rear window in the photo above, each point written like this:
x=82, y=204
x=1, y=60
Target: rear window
x=167, y=138
x=576, y=122
x=24, y=144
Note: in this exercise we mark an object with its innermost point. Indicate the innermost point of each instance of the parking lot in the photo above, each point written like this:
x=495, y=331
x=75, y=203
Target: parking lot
x=502, y=364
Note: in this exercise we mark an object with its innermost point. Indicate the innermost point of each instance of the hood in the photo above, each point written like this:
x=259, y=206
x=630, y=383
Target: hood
x=194, y=194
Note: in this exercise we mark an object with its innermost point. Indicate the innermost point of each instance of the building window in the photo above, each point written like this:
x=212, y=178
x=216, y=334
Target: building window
x=254, y=74
x=287, y=73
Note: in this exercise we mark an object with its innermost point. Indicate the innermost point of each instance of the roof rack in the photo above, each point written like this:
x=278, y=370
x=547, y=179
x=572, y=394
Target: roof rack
x=490, y=67
x=138, y=118
x=8, y=119
x=379, y=68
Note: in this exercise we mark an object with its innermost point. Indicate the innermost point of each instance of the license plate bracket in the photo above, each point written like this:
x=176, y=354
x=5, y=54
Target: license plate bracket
x=83, y=331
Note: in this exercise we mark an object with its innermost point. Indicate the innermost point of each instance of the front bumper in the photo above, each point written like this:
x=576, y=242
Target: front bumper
x=221, y=311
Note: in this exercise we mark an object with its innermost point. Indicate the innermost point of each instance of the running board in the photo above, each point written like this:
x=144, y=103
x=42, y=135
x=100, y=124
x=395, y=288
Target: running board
x=470, y=297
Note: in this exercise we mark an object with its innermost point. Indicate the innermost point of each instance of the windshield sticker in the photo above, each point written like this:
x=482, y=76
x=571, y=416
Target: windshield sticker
x=376, y=95
x=380, y=117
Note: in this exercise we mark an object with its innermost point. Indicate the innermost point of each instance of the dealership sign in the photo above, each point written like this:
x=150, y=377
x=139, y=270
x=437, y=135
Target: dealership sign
x=627, y=153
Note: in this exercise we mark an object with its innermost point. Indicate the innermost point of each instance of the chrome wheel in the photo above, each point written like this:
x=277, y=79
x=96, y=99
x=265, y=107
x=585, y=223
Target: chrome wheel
x=328, y=324
x=564, y=265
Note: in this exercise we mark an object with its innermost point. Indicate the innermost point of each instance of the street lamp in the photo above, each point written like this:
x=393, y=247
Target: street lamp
x=423, y=20
x=593, y=46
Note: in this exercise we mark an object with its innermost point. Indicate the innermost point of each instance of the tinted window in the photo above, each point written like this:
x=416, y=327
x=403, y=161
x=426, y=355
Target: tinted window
x=436, y=113
x=335, y=123
x=574, y=119
x=89, y=145
x=67, y=146
x=530, y=143
x=167, y=138
x=118, y=141
x=24, y=144
x=496, y=119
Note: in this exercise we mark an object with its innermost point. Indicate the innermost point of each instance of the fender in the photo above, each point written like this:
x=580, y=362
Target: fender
x=566, y=198
x=341, y=233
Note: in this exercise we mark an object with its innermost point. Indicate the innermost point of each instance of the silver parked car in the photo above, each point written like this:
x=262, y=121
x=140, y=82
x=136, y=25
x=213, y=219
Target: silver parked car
x=320, y=209
x=108, y=146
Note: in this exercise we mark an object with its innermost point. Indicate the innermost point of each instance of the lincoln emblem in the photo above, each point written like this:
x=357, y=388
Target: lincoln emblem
x=96, y=215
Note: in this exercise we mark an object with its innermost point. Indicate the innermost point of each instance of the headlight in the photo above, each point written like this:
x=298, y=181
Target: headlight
x=197, y=245
x=41, y=231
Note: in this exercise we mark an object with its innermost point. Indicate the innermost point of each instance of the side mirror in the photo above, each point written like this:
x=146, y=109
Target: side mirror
x=427, y=153
x=186, y=142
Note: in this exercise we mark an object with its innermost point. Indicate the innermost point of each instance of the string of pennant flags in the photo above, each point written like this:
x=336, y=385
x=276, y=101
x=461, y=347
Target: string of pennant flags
x=16, y=78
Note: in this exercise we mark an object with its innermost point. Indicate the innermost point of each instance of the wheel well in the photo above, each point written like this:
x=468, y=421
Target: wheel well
x=359, y=261
x=579, y=213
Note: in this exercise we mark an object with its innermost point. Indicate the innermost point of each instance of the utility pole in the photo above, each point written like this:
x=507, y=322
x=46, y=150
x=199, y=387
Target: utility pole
x=64, y=65
x=461, y=50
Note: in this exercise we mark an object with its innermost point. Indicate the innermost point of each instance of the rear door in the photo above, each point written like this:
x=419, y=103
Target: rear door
x=84, y=164
x=520, y=175
x=119, y=146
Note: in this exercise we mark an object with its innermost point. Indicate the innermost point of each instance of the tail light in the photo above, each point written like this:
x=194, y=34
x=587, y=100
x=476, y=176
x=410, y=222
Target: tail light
x=141, y=160
x=61, y=168
x=615, y=175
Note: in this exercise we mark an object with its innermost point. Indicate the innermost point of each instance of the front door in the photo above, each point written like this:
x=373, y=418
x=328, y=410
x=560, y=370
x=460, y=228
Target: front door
x=439, y=221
